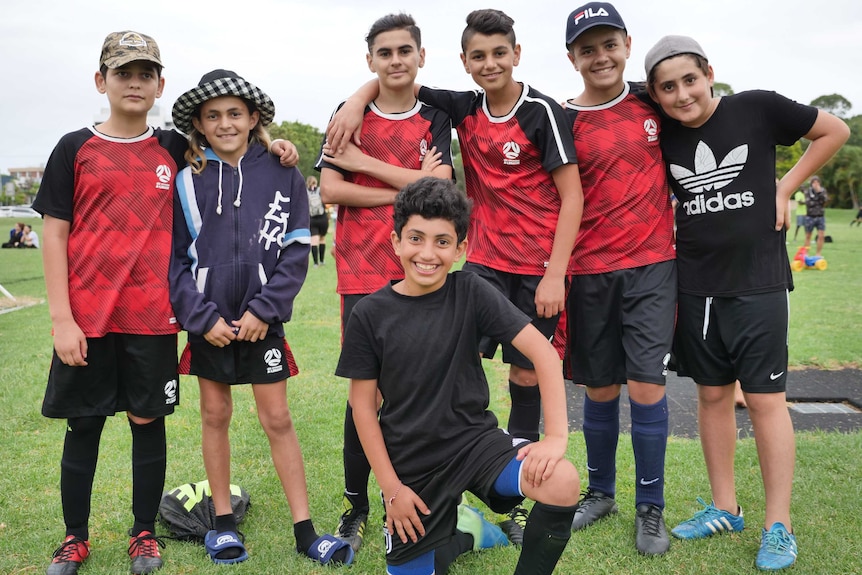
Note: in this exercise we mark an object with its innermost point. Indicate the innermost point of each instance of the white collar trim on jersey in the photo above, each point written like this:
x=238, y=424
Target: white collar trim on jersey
x=399, y=115
x=604, y=106
x=501, y=119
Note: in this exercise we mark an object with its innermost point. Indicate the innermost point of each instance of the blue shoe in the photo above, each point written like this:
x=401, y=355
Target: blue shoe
x=485, y=534
x=708, y=521
x=778, y=549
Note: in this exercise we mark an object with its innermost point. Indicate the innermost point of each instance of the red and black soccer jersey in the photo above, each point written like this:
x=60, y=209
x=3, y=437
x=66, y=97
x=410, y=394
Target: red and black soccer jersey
x=508, y=162
x=365, y=261
x=628, y=219
x=118, y=196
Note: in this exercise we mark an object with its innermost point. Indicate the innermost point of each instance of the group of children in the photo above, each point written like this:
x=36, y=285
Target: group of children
x=224, y=257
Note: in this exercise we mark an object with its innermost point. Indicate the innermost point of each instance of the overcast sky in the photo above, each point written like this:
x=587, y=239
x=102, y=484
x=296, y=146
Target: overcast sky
x=309, y=55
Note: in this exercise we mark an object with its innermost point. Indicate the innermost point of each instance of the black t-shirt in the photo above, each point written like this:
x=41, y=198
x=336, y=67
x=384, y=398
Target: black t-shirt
x=424, y=353
x=723, y=174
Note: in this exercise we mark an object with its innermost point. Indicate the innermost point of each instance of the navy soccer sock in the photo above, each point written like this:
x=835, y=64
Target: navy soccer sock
x=356, y=466
x=526, y=411
x=77, y=469
x=649, y=442
x=149, y=459
x=548, y=530
x=601, y=434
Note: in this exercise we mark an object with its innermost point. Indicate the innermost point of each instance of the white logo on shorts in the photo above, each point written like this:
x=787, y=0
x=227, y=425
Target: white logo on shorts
x=272, y=358
x=171, y=392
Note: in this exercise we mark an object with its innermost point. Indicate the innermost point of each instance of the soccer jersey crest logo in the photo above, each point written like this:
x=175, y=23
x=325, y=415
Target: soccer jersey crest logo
x=512, y=151
x=651, y=129
x=163, y=173
x=423, y=148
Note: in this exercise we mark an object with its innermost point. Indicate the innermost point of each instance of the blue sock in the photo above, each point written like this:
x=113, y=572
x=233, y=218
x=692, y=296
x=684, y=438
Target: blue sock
x=422, y=565
x=601, y=433
x=649, y=442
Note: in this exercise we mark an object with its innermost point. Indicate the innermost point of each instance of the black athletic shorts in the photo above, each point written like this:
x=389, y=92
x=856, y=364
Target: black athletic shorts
x=268, y=360
x=520, y=290
x=474, y=469
x=124, y=372
x=722, y=339
x=319, y=225
x=621, y=325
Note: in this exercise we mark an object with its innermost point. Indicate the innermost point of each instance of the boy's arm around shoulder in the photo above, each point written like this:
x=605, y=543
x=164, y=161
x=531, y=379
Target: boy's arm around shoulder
x=827, y=135
x=541, y=458
x=70, y=343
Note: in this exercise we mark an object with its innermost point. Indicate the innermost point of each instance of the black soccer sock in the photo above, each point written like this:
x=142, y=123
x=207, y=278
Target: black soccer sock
x=223, y=523
x=314, y=254
x=149, y=459
x=545, y=537
x=305, y=536
x=356, y=466
x=444, y=555
x=526, y=411
x=77, y=469
x=321, y=250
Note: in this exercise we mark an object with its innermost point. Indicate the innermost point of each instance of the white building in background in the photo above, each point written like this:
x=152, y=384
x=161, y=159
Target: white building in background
x=155, y=118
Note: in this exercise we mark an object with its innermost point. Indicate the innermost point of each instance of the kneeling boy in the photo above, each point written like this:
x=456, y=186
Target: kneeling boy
x=417, y=341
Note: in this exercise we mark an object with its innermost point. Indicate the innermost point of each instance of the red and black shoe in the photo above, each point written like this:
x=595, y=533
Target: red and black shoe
x=69, y=556
x=144, y=553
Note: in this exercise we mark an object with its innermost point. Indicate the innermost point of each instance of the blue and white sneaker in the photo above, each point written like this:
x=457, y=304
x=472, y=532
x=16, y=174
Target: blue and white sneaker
x=485, y=534
x=778, y=549
x=708, y=521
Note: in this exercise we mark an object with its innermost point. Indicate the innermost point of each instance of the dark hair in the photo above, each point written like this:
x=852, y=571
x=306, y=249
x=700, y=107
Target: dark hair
x=433, y=198
x=394, y=22
x=487, y=22
x=699, y=61
x=104, y=69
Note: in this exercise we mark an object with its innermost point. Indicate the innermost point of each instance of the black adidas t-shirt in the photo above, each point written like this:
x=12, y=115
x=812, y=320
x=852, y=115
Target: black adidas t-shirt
x=723, y=174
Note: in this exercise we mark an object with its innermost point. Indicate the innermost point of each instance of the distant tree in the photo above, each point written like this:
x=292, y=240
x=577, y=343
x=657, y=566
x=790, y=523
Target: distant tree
x=722, y=89
x=835, y=104
x=307, y=140
x=855, y=124
x=842, y=177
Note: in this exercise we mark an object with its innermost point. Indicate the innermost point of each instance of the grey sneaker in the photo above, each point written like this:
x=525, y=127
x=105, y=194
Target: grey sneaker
x=593, y=506
x=651, y=537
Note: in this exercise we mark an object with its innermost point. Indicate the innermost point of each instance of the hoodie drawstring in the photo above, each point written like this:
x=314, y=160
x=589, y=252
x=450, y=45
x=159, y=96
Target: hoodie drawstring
x=238, y=201
x=218, y=208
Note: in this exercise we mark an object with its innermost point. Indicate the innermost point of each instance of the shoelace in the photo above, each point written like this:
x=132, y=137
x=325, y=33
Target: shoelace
x=708, y=509
x=778, y=542
x=588, y=497
x=519, y=516
x=145, y=546
x=651, y=521
x=68, y=550
x=351, y=525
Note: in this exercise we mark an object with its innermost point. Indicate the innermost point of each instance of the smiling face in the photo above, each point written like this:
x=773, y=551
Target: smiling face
x=226, y=123
x=396, y=59
x=600, y=55
x=427, y=249
x=490, y=60
x=684, y=90
x=132, y=89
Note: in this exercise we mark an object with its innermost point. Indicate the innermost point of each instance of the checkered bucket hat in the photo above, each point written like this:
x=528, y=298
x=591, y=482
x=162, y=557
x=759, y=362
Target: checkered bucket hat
x=213, y=85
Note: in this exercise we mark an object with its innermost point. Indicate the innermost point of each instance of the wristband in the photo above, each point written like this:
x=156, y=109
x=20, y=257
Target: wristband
x=392, y=499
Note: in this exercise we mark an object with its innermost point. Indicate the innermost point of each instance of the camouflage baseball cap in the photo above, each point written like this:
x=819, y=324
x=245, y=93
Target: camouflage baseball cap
x=120, y=48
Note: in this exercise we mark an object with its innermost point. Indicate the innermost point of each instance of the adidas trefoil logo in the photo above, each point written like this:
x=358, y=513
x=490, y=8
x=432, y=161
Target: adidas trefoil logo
x=708, y=176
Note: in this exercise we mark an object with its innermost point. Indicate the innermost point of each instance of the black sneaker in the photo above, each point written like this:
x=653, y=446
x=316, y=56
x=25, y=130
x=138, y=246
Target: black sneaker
x=593, y=506
x=651, y=536
x=351, y=526
x=515, y=524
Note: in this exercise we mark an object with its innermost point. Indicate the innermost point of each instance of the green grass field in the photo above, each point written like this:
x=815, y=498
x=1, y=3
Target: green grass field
x=826, y=313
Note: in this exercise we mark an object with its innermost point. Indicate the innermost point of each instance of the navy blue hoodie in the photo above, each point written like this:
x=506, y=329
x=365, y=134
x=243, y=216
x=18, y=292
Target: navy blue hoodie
x=241, y=242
